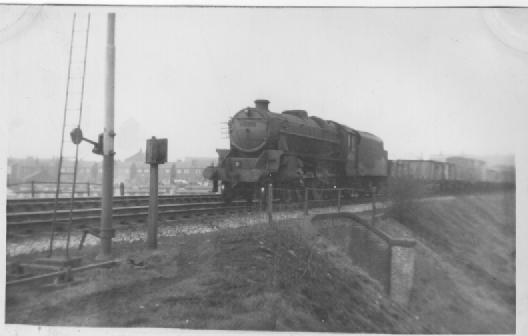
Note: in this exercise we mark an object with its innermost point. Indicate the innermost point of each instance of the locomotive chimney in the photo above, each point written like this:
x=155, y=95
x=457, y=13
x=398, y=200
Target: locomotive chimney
x=262, y=105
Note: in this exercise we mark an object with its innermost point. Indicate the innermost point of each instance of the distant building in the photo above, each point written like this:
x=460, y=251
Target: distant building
x=135, y=171
x=45, y=170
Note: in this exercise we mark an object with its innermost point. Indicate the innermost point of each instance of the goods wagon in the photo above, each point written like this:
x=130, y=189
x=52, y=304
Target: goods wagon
x=468, y=170
x=425, y=170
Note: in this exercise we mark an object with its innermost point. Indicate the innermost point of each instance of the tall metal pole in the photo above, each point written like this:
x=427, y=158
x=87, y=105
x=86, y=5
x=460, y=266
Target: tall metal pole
x=108, y=143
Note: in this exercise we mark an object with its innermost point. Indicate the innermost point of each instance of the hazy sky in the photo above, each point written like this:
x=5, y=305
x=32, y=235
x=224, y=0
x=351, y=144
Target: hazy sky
x=426, y=81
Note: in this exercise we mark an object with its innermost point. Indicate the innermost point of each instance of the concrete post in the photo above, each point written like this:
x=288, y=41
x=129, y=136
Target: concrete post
x=32, y=189
x=402, y=272
x=108, y=143
x=152, y=230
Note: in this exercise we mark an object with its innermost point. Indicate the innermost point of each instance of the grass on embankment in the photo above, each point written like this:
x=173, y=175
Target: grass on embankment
x=255, y=278
x=260, y=278
x=465, y=267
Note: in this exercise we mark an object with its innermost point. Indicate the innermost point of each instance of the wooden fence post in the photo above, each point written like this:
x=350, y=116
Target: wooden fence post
x=389, y=271
x=338, y=200
x=373, y=191
x=270, y=203
x=306, y=201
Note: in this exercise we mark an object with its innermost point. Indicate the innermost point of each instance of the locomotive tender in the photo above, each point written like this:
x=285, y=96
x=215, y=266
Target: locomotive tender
x=293, y=151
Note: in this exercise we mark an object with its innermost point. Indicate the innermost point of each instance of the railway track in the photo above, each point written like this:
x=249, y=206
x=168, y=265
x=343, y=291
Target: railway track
x=47, y=204
x=127, y=212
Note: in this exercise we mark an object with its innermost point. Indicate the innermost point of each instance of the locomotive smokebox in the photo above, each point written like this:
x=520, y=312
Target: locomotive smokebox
x=262, y=105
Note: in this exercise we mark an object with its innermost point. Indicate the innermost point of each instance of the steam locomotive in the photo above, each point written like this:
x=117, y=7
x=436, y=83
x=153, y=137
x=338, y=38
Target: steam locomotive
x=293, y=150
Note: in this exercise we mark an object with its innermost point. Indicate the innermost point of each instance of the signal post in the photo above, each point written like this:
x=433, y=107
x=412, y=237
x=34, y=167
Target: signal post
x=155, y=153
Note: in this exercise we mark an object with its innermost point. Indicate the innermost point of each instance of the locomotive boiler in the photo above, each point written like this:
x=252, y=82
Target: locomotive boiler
x=293, y=150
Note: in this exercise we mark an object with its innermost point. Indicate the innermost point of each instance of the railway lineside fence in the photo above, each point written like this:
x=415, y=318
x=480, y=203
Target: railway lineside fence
x=43, y=189
x=315, y=200
x=387, y=259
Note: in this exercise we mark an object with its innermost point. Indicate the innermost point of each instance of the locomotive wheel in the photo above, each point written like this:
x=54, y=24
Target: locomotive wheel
x=228, y=193
x=283, y=195
x=299, y=195
x=248, y=195
x=316, y=194
x=292, y=196
x=295, y=195
x=264, y=195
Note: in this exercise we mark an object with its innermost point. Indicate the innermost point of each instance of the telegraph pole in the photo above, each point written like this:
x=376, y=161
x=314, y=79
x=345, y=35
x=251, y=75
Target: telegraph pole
x=108, y=143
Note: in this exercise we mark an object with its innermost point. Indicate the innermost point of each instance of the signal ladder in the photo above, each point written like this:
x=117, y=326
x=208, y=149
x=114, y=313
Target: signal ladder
x=73, y=106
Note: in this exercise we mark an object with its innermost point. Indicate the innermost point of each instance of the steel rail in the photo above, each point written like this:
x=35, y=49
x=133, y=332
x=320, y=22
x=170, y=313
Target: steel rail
x=81, y=217
x=13, y=206
x=84, y=217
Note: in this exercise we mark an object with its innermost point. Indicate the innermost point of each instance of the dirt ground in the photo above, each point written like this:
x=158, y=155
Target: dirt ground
x=288, y=277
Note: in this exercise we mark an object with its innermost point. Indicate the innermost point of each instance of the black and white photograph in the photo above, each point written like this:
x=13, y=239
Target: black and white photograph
x=180, y=168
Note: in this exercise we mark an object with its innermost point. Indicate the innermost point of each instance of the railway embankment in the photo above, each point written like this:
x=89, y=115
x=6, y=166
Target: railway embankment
x=298, y=275
x=464, y=278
